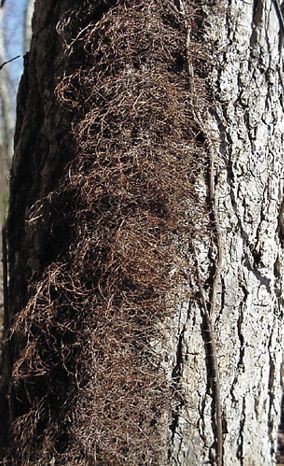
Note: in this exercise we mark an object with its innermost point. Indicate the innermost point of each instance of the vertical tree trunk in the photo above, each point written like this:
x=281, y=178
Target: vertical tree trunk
x=7, y=120
x=28, y=24
x=7, y=123
x=247, y=84
x=236, y=264
x=39, y=136
x=6, y=143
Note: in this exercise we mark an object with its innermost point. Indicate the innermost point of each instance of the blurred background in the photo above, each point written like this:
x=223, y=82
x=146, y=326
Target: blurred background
x=15, y=36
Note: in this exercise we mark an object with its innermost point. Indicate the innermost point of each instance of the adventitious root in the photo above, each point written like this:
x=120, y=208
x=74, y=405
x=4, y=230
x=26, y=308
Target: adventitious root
x=87, y=384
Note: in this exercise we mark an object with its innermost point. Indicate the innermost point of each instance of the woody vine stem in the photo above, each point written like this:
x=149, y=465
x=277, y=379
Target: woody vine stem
x=209, y=308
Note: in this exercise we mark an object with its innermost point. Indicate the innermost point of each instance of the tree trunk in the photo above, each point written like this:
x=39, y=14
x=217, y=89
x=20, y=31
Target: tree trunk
x=39, y=134
x=248, y=121
x=7, y=123
x=217, y=398
x=28, y=24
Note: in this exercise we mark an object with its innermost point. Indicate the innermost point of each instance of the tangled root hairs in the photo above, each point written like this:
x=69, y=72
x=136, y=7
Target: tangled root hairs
x=89, y=373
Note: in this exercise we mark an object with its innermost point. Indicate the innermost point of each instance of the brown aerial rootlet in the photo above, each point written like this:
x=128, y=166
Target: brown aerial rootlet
x=89, y=375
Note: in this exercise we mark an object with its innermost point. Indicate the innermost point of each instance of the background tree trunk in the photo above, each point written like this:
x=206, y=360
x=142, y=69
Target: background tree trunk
x=7, y=122
x=28, y=24
x=247, y=125
x=7, y=125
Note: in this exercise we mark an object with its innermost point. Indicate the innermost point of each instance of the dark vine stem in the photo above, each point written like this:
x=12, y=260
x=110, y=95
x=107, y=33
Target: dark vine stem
x=209, y=309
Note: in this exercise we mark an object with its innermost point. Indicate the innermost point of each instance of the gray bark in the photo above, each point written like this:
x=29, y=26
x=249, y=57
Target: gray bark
x=28, y=24
x=248, y=121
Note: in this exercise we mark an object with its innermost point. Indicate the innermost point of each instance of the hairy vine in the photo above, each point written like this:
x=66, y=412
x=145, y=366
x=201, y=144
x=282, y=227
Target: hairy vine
x=88, y=386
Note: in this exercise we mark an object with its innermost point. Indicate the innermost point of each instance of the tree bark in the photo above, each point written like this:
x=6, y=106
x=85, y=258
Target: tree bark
x=39, y=136
x=244, y=132
x=248, y=121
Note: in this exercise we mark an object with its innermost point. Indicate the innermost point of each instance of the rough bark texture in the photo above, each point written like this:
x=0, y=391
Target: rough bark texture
x=248, y=119
x=247, y=122
x=39, y=137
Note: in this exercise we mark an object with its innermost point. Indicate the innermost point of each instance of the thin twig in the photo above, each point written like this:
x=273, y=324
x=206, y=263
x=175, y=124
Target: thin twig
x=9, y=61
x=208, y=313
